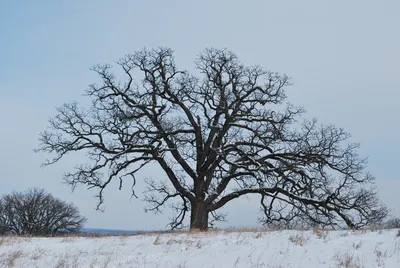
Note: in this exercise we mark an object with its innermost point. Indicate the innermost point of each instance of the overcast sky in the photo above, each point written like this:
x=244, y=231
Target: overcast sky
x=343, y=57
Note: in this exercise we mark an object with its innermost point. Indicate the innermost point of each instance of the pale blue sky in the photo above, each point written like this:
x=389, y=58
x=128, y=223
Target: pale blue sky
x=343, y=56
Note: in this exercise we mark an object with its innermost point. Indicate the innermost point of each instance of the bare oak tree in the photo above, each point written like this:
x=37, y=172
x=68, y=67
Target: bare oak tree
x=38, y=213
x=217, y=137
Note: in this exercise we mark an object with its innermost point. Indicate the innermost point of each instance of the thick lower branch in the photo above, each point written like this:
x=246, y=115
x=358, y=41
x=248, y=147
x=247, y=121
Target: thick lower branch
x=263, y=191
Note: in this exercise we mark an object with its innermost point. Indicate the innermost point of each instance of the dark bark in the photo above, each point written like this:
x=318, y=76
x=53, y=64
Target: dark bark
x=199, y=216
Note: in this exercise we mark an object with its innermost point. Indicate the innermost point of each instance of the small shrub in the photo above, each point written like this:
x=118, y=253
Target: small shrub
x=38, y=213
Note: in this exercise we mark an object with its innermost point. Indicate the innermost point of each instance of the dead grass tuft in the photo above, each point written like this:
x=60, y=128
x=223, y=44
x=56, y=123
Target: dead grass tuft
x=321, y=234
x=347, y=260
x=380, y=256
x=68, y=239
x=157, y=241
x=357, y=245
x=299, y=239
x=247, y=230
x=199, y=245
x=258, y=235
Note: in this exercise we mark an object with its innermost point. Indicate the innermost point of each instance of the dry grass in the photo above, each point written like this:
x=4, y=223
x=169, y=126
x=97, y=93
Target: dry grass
x=193, y=239
x=357, y=245
x=380, y=255
x=68, y=260
x=347, y=260
x=102, y=265
x=68, y=239
x=299, y=239
x=210, y=231
x=38, y=253
x=321, y=234
x=13, y=239
x=259, y=231
x=186, y=242
x=345, y=233
x=248, y=230
x=8, y=259
x=258, y=235
x=199, y=245
x=170, y=241
x=157, y=241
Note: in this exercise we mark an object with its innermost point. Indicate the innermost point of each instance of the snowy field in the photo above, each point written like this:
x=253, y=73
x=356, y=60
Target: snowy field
x=213, y=249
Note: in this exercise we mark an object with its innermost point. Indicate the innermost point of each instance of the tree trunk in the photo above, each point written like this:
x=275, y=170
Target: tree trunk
x=199, y=216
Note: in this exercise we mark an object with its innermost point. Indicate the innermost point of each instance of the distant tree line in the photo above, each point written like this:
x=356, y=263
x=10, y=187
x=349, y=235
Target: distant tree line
x=38, y=213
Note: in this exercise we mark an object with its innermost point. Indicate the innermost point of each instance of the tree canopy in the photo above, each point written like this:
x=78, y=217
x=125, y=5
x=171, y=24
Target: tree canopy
x=36, y=212
x=222, y=133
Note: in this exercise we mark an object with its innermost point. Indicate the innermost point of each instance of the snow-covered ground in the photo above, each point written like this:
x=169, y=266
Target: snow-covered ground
x=213, y=249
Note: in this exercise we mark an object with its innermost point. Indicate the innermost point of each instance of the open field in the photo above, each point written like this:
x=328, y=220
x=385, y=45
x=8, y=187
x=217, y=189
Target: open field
x=229, y=248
